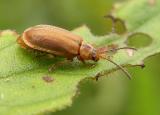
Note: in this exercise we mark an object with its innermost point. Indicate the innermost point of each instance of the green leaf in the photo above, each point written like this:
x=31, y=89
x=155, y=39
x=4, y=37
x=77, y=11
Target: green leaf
x=26, y=86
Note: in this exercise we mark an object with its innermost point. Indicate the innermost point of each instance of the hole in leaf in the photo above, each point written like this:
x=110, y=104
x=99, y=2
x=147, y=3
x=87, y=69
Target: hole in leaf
x=139, y=40
x=120, y=27
x=109, y=24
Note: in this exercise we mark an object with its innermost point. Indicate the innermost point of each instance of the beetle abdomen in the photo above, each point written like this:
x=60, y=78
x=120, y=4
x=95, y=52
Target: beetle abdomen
x=53, y=40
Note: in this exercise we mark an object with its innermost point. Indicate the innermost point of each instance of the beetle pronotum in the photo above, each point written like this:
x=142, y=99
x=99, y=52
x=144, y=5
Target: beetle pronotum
x=60, y=42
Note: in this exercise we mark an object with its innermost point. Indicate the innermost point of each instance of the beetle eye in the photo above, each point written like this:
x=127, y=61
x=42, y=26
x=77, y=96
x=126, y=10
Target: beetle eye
x=93, y=58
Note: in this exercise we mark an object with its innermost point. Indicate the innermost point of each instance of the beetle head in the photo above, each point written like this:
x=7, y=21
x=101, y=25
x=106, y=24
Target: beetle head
x=88, y=52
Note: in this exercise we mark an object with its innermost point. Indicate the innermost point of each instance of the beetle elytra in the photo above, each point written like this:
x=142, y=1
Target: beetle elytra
x=61, y=42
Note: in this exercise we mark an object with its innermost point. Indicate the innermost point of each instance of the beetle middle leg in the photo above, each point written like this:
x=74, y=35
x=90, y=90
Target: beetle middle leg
x=58, y=64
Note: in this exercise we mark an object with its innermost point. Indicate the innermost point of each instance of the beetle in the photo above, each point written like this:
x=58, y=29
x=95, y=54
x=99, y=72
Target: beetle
x=61, y=42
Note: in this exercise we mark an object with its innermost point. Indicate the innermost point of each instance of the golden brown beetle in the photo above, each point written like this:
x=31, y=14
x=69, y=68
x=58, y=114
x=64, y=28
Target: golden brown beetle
x=60, y=42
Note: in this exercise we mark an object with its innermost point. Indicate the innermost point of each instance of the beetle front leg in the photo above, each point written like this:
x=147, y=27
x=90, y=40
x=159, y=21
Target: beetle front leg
x=89, y=65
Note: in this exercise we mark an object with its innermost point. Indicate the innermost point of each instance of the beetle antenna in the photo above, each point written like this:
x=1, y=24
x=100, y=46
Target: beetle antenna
x=116, y=49
x=119, y=66
x=105, y=49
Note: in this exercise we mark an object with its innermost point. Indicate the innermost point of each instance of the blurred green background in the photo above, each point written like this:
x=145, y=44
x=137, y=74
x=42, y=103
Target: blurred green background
x=111, y=95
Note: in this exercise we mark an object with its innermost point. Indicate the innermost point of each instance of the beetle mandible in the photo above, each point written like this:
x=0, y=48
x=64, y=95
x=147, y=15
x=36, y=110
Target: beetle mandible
x=61, y=42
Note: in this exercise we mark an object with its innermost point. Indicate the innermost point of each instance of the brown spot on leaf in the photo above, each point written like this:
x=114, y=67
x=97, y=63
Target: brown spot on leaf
x=48, y=79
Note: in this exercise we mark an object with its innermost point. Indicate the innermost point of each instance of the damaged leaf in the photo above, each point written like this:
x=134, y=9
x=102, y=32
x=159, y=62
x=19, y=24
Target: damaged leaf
x=23, y=76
